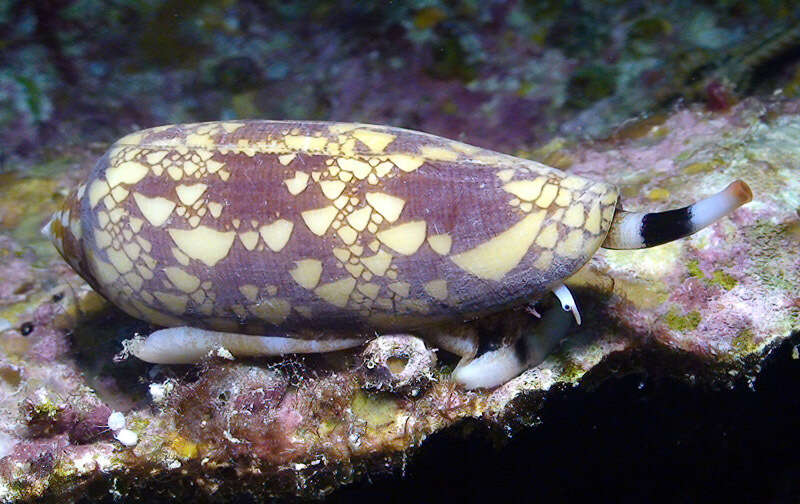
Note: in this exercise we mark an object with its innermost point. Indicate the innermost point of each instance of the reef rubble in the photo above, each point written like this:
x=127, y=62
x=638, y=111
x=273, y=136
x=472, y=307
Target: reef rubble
x=76, y=421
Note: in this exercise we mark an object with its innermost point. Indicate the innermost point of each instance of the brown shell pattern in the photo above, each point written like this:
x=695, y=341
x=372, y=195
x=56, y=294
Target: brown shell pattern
x=254, y=226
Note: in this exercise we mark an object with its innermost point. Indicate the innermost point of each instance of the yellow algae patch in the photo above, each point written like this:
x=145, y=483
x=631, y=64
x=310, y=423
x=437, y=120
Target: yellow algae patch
x=405, y=238
x=189, y=194
x=273, y=310
x=360, y=218
x=387, y=205
x=156, y=210
x=406, y=162
x=277, y=234
x=494, y=258
x=336, y=293
x=320, y=219
x=128, y=172
x=527, y=190
x=307, y=272
x=436, y=289
x=203, y=243
x=182, y=280
x=297, y=184
x=441, y=243
x=379, y=263
x=438, y=153
x=374, y=140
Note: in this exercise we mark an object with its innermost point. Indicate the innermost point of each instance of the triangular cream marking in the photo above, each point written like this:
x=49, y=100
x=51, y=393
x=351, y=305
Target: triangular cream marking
x=332, y=188
x=213, y=166
x=215, y=208
x=441, y=243
x=360, y=218
x=203, y=243
x=379, y=263
x=297, y=184
x=249, y=291
x=273, y=310
x=505, y=175
x=320, y=219
x=369, y=289
x=405, y=238
x=374, y=140
x=156, y=210
x=527, y=190
x=277, y=234
x=436, y=289
x=249, y=239
x=307, y=272
x=359, y=168
x=494, y=258
x=128, y=172
x=438, y=153
x=390, y=207
x=400, y=288
x=188, y=194
x=337, y=293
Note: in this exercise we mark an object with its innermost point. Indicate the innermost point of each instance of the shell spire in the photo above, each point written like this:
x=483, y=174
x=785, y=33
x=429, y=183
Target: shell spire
x=635, y=230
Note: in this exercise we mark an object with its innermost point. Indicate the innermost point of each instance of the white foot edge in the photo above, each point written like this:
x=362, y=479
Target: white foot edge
x=187, y=345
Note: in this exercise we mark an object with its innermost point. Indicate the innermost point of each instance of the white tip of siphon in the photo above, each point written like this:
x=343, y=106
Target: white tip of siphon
x=567, y=301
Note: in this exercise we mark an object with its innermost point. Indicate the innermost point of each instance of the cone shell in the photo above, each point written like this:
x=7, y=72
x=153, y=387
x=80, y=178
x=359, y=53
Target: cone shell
x=259, y=226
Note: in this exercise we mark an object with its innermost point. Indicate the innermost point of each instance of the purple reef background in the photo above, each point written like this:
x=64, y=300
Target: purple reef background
x=679, y=385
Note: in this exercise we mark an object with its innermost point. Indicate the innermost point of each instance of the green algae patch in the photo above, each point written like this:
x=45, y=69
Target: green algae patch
x=378, y=410
x=682, y=323
x=745, y=342
x=694, y=269
x=724, y=280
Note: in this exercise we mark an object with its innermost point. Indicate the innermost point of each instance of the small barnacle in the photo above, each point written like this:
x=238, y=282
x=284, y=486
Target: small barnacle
x=398, y=363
